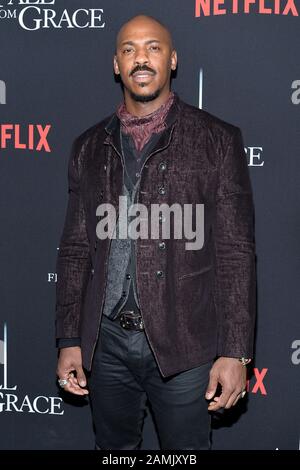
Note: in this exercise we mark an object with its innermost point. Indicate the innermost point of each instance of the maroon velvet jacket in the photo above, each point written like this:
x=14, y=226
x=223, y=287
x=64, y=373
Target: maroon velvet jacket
x=204, y=304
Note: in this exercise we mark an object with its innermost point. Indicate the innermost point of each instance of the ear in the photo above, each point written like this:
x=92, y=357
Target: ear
x=116, y=66
x=173, y=60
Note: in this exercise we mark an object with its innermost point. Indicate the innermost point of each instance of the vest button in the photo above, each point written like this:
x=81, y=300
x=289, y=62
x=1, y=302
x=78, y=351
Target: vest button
x=128, y=276
x=161, y=245
x=159, y=274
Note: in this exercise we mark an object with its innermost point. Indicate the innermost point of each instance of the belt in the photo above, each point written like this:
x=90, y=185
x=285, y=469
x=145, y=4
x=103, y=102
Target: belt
x=130, y=320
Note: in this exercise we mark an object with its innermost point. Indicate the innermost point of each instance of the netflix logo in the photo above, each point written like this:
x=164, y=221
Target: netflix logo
x=262, y=7
x=256, y=383
x=31, y=137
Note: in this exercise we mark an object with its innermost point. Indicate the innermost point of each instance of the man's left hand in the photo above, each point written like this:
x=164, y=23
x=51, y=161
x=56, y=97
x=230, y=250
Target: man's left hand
x=232, y=376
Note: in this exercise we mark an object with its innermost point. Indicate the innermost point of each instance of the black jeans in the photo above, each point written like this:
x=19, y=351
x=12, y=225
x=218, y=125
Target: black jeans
x=124, y=374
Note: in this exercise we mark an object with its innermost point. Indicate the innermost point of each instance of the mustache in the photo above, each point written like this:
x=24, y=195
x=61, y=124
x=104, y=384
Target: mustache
x=141, y=68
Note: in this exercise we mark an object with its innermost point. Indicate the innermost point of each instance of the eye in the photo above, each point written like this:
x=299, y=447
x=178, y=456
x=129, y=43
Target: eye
x=127, y=50
x=155, y=48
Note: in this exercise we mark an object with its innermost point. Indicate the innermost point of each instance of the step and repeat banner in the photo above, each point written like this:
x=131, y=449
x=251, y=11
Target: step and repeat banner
x=239, y=60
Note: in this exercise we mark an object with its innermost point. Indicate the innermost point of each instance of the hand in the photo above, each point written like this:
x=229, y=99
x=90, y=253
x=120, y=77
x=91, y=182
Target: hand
x=70, y=360
x=232, y=376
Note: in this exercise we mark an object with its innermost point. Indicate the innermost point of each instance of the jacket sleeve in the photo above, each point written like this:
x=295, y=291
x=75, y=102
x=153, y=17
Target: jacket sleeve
x=235, y=253
x=67, y=342
x=73, y=261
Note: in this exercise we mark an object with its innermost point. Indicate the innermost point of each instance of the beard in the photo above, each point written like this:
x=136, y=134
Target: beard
x=145, y=98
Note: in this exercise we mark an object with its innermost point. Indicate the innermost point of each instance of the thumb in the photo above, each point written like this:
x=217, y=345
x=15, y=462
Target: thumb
x=212, y=387
x=80, y=376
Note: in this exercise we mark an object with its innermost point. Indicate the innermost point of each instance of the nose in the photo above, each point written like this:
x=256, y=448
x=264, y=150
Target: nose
x=141, y=57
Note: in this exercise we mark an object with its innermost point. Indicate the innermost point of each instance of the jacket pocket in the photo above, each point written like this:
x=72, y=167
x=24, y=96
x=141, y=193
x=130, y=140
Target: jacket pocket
x=195, y=273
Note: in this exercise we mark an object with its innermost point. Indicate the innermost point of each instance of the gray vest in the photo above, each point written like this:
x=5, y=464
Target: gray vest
x=121, y=291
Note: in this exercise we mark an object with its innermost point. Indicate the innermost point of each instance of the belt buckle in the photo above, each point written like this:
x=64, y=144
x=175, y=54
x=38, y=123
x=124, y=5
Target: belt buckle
x=131, y=322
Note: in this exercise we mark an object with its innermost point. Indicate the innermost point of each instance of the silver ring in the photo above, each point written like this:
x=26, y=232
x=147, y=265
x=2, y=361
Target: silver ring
x=243, y=393
x=62, y=382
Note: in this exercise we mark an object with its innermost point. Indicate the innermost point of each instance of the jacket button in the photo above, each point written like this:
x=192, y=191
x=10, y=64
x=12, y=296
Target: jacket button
x=162, y=190
x=124, y=293
x=161, y=218
x=159, y=274
x=161, y=245
x=105, y=167
x=92, y=272
x=162, y=166
x=128, y=276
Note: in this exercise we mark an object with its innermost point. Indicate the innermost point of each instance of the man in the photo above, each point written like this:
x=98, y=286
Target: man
x=147, y=318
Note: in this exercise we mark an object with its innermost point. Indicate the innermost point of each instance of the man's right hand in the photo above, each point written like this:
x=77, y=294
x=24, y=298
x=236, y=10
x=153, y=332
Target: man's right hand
x=69, y=361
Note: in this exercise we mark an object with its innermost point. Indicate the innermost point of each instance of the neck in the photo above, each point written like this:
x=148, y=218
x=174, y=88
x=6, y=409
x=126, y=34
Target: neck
x=139, y=109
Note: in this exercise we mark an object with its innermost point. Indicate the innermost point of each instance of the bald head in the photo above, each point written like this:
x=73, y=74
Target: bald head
x=146, y=23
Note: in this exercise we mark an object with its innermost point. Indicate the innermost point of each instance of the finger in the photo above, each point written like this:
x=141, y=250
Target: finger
x=236, y=400
x=81, y=379
x=65, y=374
x=72, y=386
x=232, y=399
x=76, y=390
x=221, y=401
x=240, y=395
x=213, y=403
x=212, y=387
x=73, y=381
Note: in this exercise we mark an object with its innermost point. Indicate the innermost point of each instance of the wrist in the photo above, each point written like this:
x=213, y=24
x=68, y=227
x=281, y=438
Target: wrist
x=244, y=360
